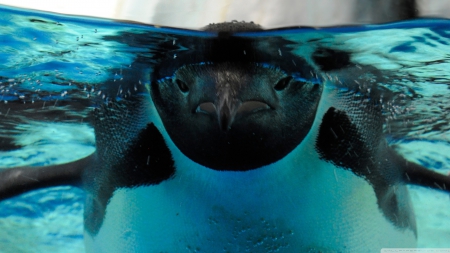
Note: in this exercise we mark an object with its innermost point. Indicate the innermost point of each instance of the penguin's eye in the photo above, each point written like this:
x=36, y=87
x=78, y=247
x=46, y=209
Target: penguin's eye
x=283, y=83
x=182, y=85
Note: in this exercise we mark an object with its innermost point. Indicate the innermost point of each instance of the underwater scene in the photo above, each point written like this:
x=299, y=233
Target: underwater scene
x=119, y=92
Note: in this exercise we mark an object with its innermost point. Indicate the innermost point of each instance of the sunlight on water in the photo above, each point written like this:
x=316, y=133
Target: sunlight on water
x=56, y=69
x=49, y=220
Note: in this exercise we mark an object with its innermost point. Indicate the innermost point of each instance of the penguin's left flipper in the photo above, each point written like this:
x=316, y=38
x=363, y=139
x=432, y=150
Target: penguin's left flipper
x=416, y=174
x=16, y=181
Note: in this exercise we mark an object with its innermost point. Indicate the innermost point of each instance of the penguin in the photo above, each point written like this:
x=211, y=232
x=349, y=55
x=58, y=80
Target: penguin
x=239, y=146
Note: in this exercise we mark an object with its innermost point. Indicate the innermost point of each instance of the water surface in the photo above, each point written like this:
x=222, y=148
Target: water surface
x=55, y=69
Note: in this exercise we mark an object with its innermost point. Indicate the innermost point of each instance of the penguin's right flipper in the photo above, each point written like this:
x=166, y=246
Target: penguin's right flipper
x=413, y=173
x=418, y=175
x=19, y=180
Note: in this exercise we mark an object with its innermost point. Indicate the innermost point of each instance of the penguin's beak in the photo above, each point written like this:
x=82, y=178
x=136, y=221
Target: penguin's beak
x=228, y=111
x=228, y=105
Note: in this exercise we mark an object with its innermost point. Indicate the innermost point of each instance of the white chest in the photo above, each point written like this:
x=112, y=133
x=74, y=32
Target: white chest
x=295, y=205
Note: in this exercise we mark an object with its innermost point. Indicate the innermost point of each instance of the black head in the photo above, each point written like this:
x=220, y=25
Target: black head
x=235, y=116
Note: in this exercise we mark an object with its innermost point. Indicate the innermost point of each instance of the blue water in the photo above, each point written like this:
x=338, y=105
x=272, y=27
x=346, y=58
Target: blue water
x=53, y=70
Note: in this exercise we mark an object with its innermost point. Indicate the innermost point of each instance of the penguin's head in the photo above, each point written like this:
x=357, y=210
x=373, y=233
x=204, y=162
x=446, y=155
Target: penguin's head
x=235, y=116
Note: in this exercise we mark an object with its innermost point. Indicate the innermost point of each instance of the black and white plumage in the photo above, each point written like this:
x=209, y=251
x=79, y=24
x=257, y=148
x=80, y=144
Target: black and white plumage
x=239, y=146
